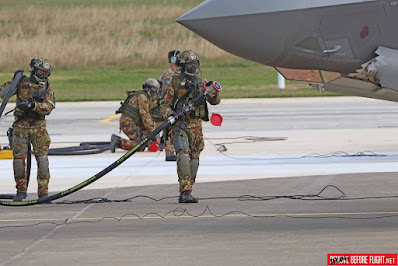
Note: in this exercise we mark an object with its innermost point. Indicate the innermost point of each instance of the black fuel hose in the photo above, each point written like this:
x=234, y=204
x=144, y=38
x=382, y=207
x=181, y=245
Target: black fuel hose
x=170, y=121
x=85, y=148
x=7, y=196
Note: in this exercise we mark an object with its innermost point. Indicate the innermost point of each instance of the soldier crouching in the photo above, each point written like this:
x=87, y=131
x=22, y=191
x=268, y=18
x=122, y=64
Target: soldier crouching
x=136, y=121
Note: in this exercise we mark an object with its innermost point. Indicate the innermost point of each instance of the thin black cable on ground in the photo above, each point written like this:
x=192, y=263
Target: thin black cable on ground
x=313, y=197
x=252, y=139
x=222, y=149
x=206, y=213
x=240, y=198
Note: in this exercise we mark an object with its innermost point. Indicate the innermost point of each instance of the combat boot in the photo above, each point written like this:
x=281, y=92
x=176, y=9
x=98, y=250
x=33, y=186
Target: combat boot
x=172, y=158
x=44, y=195
x=19, y=196
x=115, y=142
x=186, y=197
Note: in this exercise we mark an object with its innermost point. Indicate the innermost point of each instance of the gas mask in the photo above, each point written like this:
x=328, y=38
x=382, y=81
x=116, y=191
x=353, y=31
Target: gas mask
x=192, y=67
x=153, y=91
x=152, y=87
x=40, y=69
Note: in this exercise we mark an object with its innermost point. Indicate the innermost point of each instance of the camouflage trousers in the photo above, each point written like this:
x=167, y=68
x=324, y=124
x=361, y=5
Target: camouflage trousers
x=133, y=133
x=40, y=140
x=168, y=143
x=188, y=144
x=169, y=148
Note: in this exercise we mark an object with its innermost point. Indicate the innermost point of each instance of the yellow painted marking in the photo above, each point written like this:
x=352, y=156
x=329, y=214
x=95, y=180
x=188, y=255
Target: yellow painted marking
x=203, y=216
x=107, y=120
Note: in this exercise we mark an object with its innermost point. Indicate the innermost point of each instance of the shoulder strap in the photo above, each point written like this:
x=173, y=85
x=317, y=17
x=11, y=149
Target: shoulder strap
x=130, y=94
x=41, y=96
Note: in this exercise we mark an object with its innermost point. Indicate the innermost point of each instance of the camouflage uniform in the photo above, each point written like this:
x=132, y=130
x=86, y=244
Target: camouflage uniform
x=187, y=132
x=165, y=80
x=138, y=123
x=30, y=127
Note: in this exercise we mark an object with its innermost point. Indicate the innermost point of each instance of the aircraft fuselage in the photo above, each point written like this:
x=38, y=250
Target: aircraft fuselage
x=331, y=35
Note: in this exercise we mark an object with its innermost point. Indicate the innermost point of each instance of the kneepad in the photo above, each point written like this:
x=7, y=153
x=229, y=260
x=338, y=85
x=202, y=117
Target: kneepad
x=183, y=163
x=19, y=167
x=194, y=167
x=43, y=164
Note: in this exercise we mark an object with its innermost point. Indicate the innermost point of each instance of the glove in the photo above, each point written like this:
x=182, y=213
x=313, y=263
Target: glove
x=25, y=105
x=16, y=72
x=170, y=113
x=209, y=83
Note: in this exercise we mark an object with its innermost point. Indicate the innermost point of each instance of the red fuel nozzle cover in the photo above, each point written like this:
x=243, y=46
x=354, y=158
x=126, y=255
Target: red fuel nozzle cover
x=216, y=120
x=154, y=147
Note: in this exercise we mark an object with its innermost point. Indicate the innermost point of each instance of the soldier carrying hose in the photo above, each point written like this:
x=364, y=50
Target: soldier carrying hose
x=35, y=100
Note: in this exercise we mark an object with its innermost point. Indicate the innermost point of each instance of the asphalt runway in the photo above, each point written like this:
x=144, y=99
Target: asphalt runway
x=300, y=178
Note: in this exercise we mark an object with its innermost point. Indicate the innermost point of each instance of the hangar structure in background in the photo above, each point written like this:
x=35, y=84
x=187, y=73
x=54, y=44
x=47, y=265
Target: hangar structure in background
x=343, y=46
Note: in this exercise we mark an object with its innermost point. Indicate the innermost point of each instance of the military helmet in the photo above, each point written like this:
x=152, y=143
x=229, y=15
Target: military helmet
x=40, y=68
x=151, y=82
x=152, y=86
x=189, y=61
x=187, y=56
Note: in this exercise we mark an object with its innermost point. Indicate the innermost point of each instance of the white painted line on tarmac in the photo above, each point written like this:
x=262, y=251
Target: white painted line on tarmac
x=139, y=171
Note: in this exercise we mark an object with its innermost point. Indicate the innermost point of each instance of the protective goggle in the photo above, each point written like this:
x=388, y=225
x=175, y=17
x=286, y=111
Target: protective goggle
x=153, y=91
x=192, y=64
x=41, y=73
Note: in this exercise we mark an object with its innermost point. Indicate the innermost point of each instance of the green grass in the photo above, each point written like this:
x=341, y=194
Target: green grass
x=239, y=79
x=67, y=4
x=93, y=76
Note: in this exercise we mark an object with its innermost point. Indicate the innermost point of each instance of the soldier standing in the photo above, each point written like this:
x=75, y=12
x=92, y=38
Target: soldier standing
x=35, y=100
x=136, y=121
x=165, y=80
x=187, y=131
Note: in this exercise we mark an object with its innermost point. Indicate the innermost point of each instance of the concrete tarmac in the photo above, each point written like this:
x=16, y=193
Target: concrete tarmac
x=259, y=201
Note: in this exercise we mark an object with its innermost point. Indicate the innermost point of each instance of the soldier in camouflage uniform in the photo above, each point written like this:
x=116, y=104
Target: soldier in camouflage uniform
x=187, y=131
x=35, y=100
x=165, y=80
x=136, y=120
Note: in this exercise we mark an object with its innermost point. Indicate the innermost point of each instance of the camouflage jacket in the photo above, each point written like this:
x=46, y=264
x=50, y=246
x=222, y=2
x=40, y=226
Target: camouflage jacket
x=143, y=120
x=166, y=78
x=41, y=94
x=179, y=93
